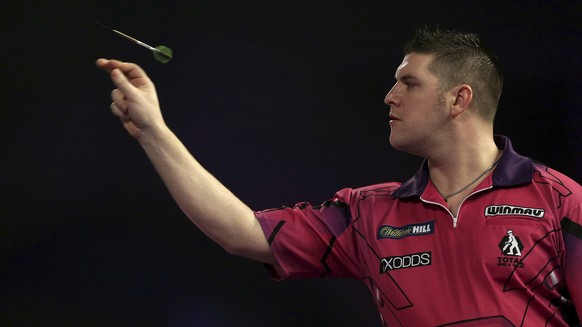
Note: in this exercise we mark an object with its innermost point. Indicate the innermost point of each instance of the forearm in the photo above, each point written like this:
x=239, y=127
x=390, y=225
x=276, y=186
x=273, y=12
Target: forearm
x=212, y=207
x=208, y=203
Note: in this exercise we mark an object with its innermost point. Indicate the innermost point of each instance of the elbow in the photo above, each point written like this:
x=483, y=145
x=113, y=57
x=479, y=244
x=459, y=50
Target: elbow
x=254, y=252
x=235, y=249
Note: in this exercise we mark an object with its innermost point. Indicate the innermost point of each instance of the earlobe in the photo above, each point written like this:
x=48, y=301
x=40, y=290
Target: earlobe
x=463, y=96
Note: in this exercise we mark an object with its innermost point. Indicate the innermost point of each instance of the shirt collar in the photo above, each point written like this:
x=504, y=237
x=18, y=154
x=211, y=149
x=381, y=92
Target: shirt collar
x=513, y=169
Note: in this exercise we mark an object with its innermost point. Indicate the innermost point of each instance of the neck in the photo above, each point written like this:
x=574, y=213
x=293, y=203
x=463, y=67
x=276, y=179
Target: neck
x=462, y=168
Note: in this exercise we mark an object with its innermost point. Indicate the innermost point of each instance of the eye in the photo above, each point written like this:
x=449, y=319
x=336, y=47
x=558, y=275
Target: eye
x=409, y=85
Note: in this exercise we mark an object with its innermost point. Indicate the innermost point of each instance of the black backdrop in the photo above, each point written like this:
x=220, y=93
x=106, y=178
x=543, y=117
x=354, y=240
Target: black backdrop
x=282, y=101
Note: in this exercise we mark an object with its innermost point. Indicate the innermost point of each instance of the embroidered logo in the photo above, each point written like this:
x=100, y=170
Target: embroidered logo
x=398, y=232
x=511, y=248
x=507, y=210
x=405, y=261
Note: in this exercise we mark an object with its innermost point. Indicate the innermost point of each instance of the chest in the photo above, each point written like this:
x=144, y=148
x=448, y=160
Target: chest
x=494, y=235
x=497, y=251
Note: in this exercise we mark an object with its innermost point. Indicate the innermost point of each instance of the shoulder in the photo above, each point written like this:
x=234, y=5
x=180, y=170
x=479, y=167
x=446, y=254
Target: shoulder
x=563, y=189
x=385, y=189
x=546, y=175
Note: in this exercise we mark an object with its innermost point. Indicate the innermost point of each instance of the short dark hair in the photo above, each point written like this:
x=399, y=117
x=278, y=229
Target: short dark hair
x=461, y=58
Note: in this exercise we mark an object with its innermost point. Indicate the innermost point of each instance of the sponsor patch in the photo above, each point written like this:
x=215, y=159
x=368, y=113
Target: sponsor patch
x=398, y=232
x=507, y=210
x=405, y=261
x=511, y=248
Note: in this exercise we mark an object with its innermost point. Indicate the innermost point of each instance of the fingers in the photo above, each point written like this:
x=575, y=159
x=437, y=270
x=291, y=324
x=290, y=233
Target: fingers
x=117, y=111
x=131, y=70
x=122, y=114
x=126, y=76
x=134, y=100
x=101, y=63
x=116, y=69
x=119, y=99
x=122, y=83
x=110, y=64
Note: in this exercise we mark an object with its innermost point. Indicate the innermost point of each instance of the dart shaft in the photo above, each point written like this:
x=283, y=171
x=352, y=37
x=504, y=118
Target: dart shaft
x=162, y=53
x=134, y=40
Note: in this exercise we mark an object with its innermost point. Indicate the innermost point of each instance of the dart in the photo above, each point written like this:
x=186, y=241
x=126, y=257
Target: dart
x=161, y=53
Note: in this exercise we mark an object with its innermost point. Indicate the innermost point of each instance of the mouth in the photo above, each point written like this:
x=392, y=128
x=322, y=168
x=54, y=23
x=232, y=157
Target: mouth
x=393, y=118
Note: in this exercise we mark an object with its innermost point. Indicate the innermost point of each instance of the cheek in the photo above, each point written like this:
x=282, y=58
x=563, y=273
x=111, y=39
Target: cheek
x=427, y=118
x=432, y=106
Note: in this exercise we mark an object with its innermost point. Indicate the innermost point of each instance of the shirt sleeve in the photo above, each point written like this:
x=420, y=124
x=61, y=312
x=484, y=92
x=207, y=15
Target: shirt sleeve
x=312, y=241
x=572, y=231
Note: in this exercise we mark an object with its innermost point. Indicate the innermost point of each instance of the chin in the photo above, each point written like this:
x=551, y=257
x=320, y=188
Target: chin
x=396, y=143
x=398, y=146
x=403, y=146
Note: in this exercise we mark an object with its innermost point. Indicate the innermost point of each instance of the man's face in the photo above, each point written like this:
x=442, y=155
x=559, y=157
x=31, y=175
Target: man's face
x=417, y=107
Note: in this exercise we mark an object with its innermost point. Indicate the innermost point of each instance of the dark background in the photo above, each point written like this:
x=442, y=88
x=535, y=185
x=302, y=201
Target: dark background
x=282, y=101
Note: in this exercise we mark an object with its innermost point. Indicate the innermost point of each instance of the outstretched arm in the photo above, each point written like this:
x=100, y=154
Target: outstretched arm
x=210, y=205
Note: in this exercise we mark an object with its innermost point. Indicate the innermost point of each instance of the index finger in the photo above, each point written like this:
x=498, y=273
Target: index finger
x=126, y=76
x=130, y=70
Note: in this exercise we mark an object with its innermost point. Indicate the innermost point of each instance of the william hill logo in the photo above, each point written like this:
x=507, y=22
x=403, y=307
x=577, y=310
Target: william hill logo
x=399, y=232
x=507, y=210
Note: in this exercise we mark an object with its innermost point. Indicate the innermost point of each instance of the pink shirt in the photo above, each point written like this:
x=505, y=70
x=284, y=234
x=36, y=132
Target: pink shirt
x=512, y=257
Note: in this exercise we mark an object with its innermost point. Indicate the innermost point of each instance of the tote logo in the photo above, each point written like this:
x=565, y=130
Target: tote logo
x=511, y=248
x=507, y=210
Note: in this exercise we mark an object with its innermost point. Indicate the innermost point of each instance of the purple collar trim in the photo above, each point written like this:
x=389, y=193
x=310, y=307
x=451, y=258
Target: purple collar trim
x=513, y=169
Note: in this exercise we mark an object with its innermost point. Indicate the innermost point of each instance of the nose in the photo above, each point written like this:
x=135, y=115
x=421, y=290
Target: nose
x=391, y=98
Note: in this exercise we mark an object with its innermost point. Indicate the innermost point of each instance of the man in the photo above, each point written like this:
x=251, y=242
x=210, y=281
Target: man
x=431, y=249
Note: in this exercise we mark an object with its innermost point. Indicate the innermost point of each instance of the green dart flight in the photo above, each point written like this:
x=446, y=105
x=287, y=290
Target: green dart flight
x=162, y=53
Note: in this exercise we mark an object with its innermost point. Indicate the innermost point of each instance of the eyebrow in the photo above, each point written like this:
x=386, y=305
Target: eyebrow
x=407, y=78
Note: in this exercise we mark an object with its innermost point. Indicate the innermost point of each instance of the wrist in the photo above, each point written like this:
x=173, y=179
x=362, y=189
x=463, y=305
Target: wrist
x=153, y=135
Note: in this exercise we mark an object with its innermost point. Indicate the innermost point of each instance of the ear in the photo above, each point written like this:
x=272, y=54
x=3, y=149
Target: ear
x=462, y=97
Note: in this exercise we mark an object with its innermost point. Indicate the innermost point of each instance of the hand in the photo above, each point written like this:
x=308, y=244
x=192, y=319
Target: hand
x=135, y=100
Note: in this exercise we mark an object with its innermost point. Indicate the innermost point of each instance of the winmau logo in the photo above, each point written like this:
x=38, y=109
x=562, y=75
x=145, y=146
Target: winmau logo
x=405, y=261
x=507, y=210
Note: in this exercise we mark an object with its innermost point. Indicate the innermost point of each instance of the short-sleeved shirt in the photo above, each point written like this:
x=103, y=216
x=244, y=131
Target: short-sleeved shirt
x=511, y=257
